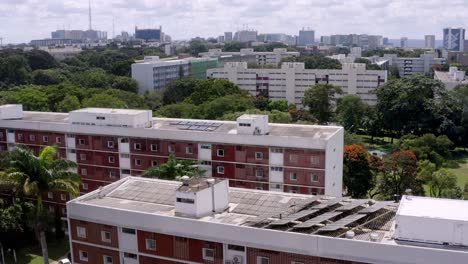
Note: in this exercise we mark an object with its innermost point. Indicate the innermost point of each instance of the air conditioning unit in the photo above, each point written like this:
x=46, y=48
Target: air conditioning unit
x=257, y=131
x=235, y=260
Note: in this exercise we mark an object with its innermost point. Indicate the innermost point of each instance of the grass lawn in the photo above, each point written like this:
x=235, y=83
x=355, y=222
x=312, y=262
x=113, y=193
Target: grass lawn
x=461, y=170
x=33, y=255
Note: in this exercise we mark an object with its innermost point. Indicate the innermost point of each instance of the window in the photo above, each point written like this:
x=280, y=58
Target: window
x=81, y=141
x=130, y=255
x=112, y=174
x=154, y=147
x=205, y=162
x=293, y=176
x=185, y=200
x=125, y=171
x=111, y=159
x=85, y=186
x=58, y=140
x=154, y=163
x=32, y=138
x=50, y=195
x=314, y=178
x=189, y=150
x=110, y=144
x=220, y=169
x=106, y=236
x=45, y=138
x=258, y=155
x=276, y=168
x=128, y=231
x=20, y=136
x=100, y=118
x=150, y=244
x=220, y=152
x=125, y=156
x=208, y=254
x=81, y=231
x=277, y=150
x=171, y=149
x=63, y=197
x=124, y=140
x=84, y=172
x=293, y=157
x=315, y=160
x=236, y=248
x=259, y=173
x=244, y=124
x=107, y=259
x=83, y=255
x=137, y=146
x=82, y=156
x=137, y=162
x=204, y=146
x=296, y=262
x=263, y=260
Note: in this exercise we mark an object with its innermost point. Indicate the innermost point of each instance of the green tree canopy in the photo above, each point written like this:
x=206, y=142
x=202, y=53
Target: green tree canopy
x=39, y=59
x=208, y=90
x=350, y=112
x=178, y=90
x=428, y=147
x=321, y=101
x=69, y=103
x=173, y=169
x=125, y=84
x=47, y=77
x=103, y=100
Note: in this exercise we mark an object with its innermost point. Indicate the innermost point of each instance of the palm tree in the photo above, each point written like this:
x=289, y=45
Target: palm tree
x=37, y=175
x=173, y=169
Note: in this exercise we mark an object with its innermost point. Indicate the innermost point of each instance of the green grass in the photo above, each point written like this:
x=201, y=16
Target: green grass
x=460, y=169
x=57, y=249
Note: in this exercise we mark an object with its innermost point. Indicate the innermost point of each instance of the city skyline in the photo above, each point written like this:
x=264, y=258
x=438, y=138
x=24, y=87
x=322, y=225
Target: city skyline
x=32, y=19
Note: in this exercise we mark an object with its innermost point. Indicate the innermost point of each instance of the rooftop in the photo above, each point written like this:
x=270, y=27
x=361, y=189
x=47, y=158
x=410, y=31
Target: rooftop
x=314, y=215
x=447, y=209
x=110, y=111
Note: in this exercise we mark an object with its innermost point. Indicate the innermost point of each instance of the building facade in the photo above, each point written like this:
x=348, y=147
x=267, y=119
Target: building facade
x=291, y=80
x=138, y=220
x=425, y=64
x=306, y=37
x=245, y=36
x=249, y=55
x=429, y=41
x=110, y=144
x=404, y=42
x=454, y=39
x=150, y=34
x=154, y=74
x=227, y=37
x=452, y=78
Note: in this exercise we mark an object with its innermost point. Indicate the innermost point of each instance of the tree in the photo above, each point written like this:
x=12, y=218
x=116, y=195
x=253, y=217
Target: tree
x=31, y=97
x=94, y=78
x=125, y=84
x=152, y=100
x=274, y=116
x=69, y=103
x=316, y=62
x=122, y=68
x=180, y=110
x=443, y=184
x=460, y=98
x=320, y=99
x=39, y=59
x=103, y=100
x=36, y=176
x=280, y=105
x=15, y=70
x=208, y=90
x=357, y=174
x=428, y=147
x=197, y=47
x=411, y=105
x=228, y=104
x=47, y=77
x=173, y=169
x=350, y=112
x=399, y=173
x=178, y=90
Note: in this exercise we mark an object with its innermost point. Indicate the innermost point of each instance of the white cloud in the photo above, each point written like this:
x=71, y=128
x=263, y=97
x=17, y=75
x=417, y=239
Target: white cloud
x=23, y=20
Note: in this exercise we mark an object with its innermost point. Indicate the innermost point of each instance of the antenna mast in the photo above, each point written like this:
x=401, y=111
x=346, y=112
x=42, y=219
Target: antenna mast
x=113, y=28
x=90, y=25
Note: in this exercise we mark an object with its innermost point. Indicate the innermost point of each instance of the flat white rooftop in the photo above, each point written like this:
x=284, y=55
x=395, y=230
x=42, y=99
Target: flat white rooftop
x=110, y=111
x=427, y=207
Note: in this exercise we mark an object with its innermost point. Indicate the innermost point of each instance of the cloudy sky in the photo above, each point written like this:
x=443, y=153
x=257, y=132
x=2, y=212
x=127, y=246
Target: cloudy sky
x=23, y=20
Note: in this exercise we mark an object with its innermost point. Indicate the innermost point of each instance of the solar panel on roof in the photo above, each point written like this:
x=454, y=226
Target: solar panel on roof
x=352, y=205
x=342, y=223
x=317, y=220
x=294, y=217
x=374, y=208
x=327, y=203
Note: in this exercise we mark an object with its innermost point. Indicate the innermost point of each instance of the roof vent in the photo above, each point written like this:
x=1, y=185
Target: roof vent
x=100, y=195
x=374, y=237
x=349, y=234
x=210, y=181
x=185, y=180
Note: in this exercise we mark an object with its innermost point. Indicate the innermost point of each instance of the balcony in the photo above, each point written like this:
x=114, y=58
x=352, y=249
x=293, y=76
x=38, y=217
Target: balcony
x=11, y=137
x=125, y=161
x=71, y=142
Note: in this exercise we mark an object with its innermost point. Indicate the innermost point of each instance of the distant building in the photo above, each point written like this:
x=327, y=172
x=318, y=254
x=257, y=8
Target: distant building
x=306, y=37
x=385, y=41
x=363, y=40
x=454, y=39
x=452, y=78
x=292, y=79
x=429, y=41
x=404, y=42
x=53, y=42
x=325, y=40
x=410, y=66
x=261, y=58
x=85, y=35
x=149, y=34
x=227, y=37
x=457, y=57
x=154, y=74
x=245, y=36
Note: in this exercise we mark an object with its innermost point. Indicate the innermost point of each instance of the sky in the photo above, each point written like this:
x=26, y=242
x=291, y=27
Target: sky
x=23, y=20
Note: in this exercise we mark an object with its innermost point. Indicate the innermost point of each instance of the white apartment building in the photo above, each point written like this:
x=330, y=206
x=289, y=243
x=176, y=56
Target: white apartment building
x=292, y=79
x=202, y=220
x=410, y=66
x=429, y=41
x=452, y=78
x=262, y=58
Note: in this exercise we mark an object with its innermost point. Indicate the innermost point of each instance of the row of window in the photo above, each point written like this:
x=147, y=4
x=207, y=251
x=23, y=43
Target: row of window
x=63, y=196
x=58, y=140
x=105, y=259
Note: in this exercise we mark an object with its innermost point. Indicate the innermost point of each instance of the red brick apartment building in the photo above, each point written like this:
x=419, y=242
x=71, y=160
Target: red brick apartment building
x=139, y=220
x=110, y=144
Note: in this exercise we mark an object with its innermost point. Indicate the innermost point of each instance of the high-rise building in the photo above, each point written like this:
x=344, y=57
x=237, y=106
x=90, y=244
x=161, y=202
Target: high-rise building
x=154, y=74
x=228, y=37
x=454, y=39
x=404, y=42
x=200, y=220
x=306, y=37
x=149, y=34
x=246, y=36
x=429, y=41
x=291, y=80
x=249, y=55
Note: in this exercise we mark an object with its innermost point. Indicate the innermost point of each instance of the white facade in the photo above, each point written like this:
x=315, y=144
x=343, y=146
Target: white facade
x=111, y=117
x=410, y=66
x=11, y=111
x=262, y=58
x=292, y=79
x=452, y=78
x=429, y=41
